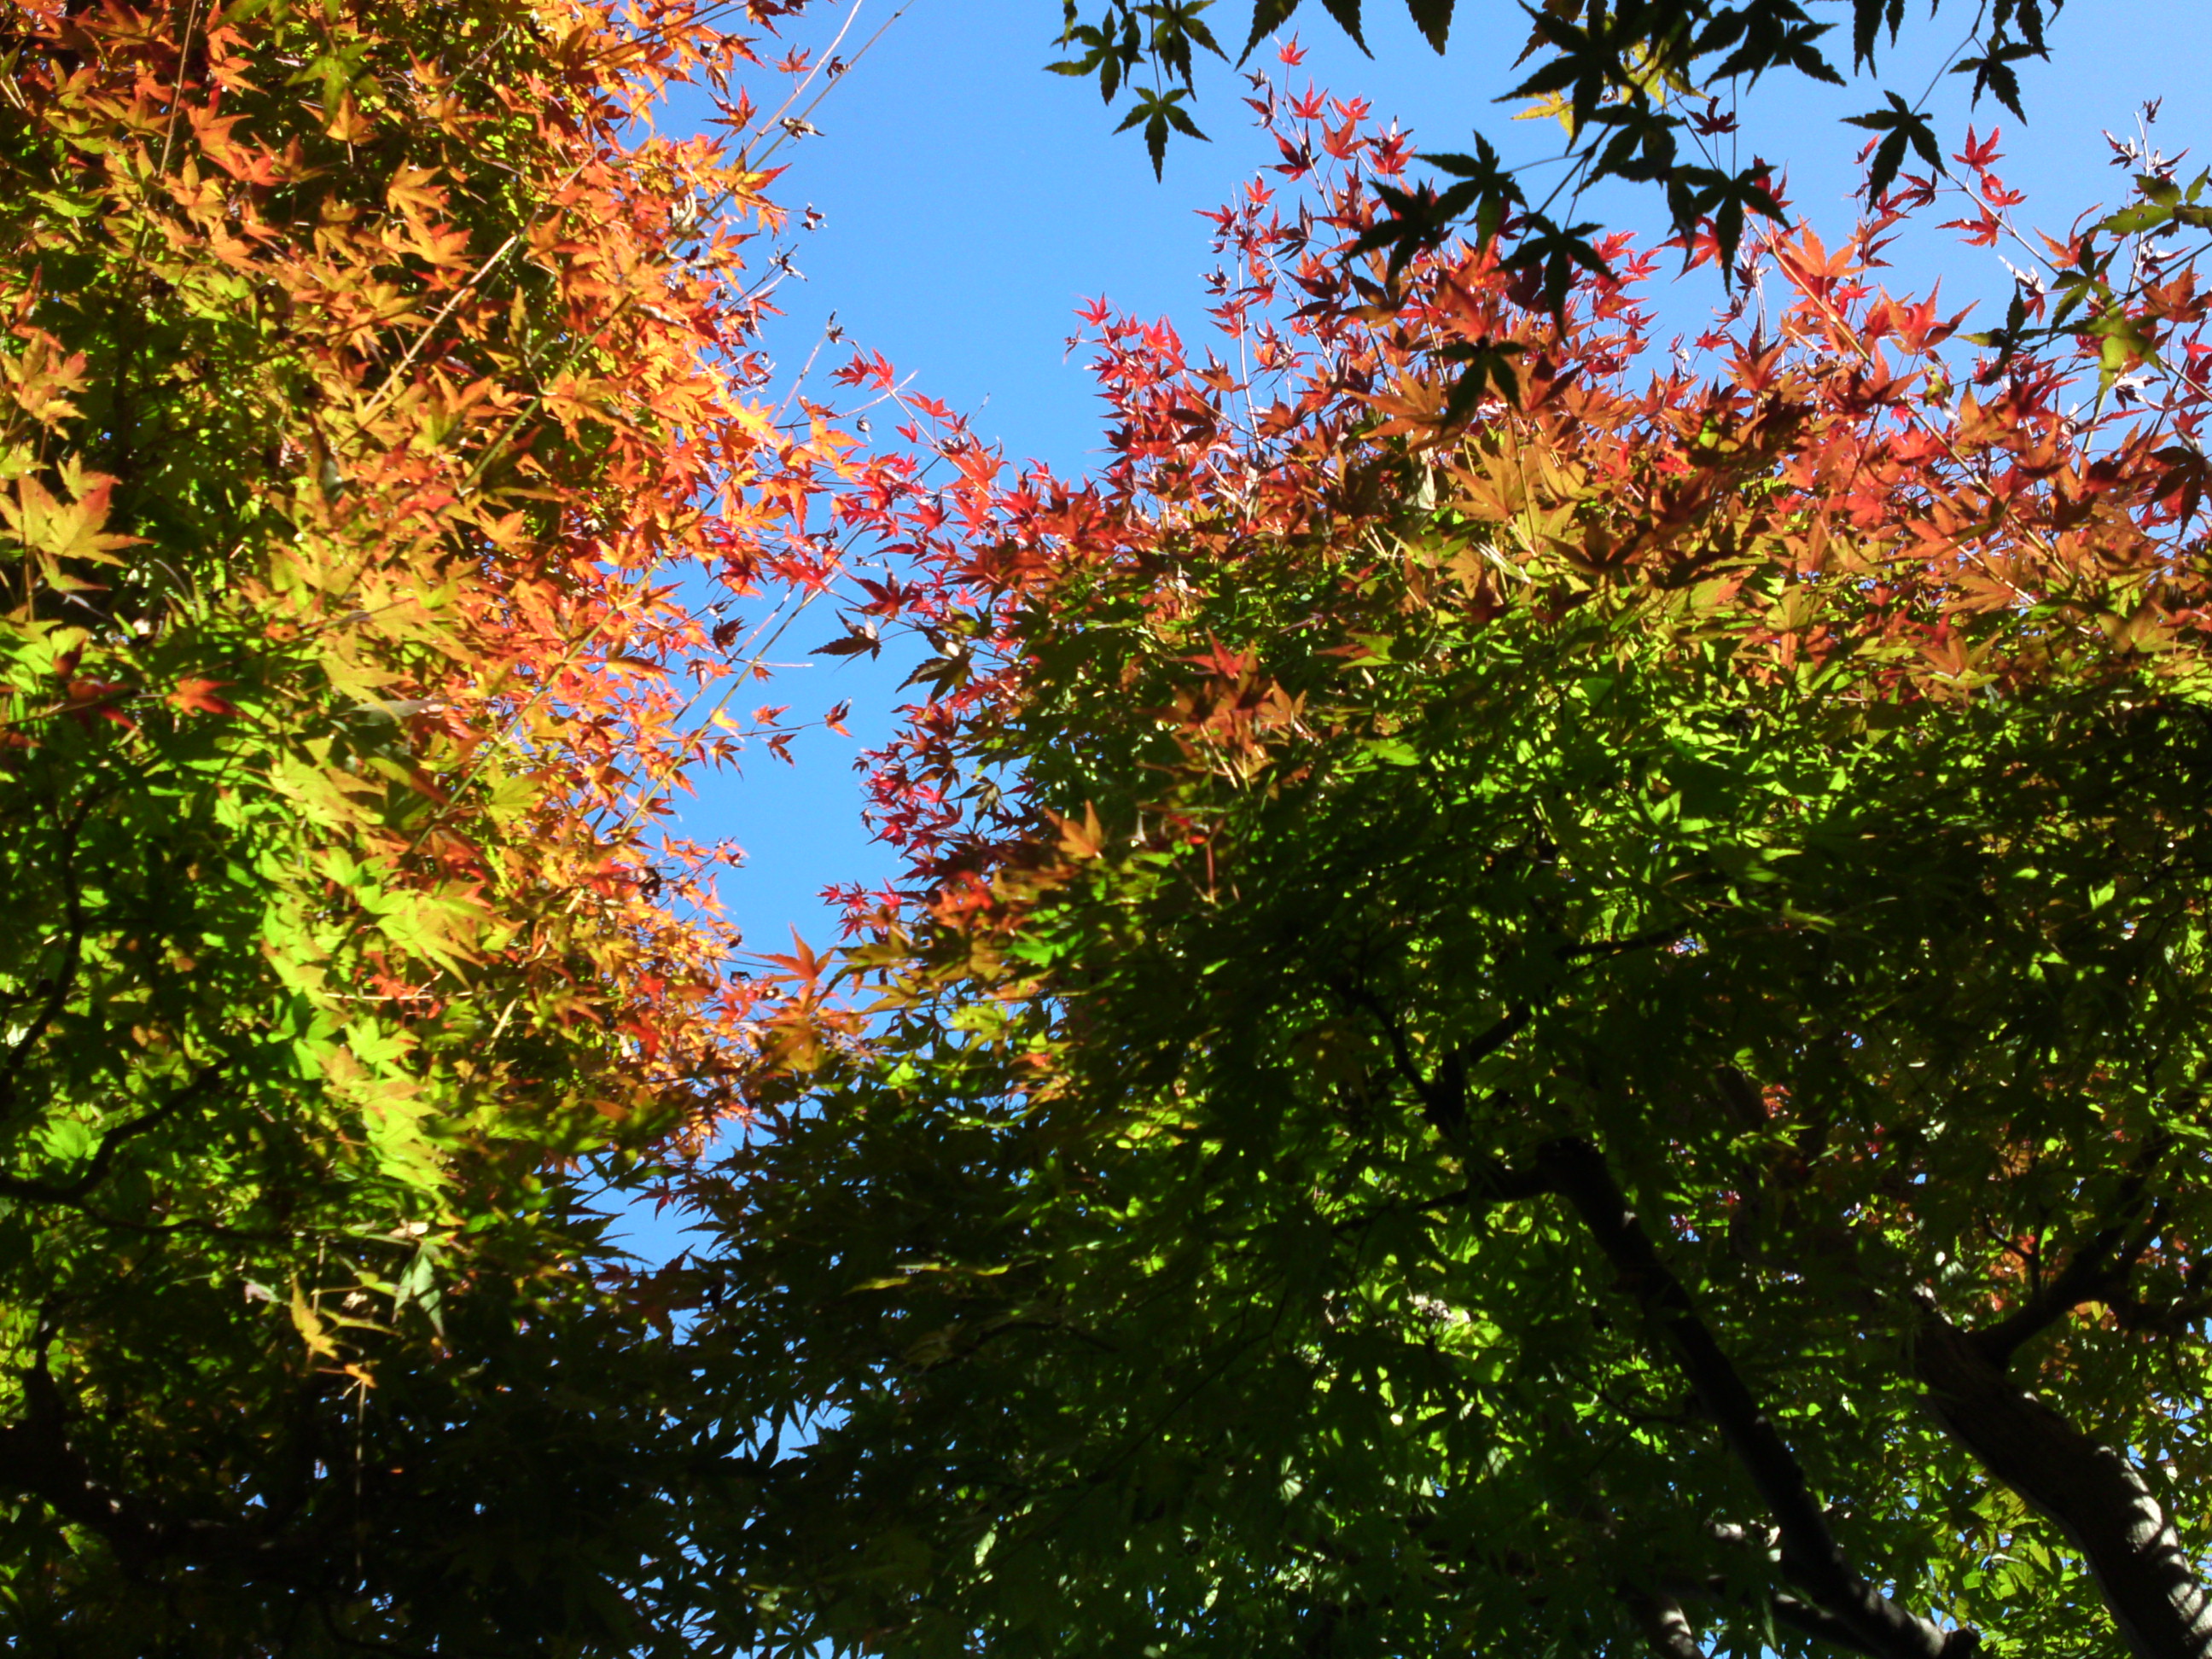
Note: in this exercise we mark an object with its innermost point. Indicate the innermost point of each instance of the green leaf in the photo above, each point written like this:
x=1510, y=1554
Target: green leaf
x=1993, y=72
x=1867, y=17
x=1554, y=251
x=1160, y=112
x=1347, y=13
x=1696, y=193
x=1268, y=16
x=1434, y=19
x=1495, y=189
x=1488, y=363
x=1902, y=125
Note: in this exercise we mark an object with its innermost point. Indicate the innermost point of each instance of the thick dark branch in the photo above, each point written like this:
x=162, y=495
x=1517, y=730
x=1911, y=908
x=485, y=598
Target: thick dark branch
x=1811, y=1557
x=2182, y=1316
x=2096, y=1497
x=360, y=1644
x=1801, y=1616
x=1664, y=1625
x=1443, y=1097
x=1798, y=1615
x=1449, y=1099
x=1494, y=1184
x=1602, y=949
x=95, y=1171
x=38, y=1462
x=1805, y=1617
x=1742, y=1096
x=2097, y=1269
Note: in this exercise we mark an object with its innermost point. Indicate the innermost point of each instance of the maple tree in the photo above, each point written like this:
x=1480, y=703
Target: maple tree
x=1551, y=994
x=388, y=473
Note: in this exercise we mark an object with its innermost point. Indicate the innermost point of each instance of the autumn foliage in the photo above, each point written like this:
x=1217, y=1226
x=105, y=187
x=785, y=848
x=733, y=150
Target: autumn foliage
x=1550, y=994
x=1549, y=987
x=1846, y=489
x=387, y=465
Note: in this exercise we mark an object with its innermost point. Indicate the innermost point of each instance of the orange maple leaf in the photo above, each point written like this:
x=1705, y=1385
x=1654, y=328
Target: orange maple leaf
x=199, y=696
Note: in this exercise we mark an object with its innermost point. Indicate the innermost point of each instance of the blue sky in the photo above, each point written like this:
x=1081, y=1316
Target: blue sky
x=970, y=200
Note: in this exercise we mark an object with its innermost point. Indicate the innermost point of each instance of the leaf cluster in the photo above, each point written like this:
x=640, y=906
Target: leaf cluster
x=381, y=452
x=1523, y=1020
x=1624, y=78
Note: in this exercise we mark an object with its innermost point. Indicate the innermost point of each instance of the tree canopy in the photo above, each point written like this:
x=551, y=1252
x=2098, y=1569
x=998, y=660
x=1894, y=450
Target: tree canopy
x=1551, y=998
x=1549, y=991
x=383, y=450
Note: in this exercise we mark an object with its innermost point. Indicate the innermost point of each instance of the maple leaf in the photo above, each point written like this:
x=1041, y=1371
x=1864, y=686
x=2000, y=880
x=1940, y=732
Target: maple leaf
x=1901, y=126
x=1160, y=112
x=66, y=528
x=865, y=637
x=803, y=966
x=199, y=696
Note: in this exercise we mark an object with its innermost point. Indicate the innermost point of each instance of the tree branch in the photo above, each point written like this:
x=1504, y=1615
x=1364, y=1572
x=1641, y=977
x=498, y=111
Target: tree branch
x=1443, y=1097
x=2095, y=1270
x=2096, y=1496
x=1811, y=1558
x=1801, y=1616
x=69, y=1192
x=1603, y=948
x=1788, y=1609
x=38, y=1462
x=1812, y=1621
x=1662, y=1621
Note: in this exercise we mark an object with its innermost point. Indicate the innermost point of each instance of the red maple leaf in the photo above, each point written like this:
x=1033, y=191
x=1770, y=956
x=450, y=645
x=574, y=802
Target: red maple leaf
x=197, y=696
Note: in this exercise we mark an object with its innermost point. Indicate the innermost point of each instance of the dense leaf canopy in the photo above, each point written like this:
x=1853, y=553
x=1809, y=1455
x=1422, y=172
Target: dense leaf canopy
x=383, y=446
x=1561, y=1017
x=1549, y=996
